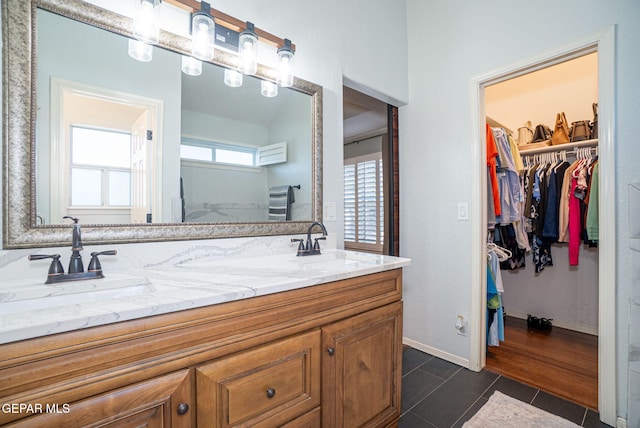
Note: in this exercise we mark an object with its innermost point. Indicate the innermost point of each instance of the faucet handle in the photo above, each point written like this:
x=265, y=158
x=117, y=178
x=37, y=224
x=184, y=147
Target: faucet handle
x=55, y=268
x=300, y=245
x=316, y=244
x=94, y=264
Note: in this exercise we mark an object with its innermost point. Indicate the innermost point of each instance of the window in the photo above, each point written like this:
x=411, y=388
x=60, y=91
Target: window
x=363, y=202
x=100, y=168
x=214, y=152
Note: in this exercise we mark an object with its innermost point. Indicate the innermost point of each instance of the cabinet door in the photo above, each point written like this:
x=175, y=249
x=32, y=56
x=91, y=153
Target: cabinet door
x=262, y=387
x=362, y=369
x=158, y=403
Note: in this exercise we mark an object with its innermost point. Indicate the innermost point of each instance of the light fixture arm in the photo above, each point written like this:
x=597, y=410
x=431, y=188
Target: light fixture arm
x=228, y=21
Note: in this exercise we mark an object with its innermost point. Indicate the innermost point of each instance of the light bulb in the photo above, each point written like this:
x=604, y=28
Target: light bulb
x=146, y=22
x=248, y=50
x=232, y=78
x=140, y=51
x=202, y=38
x=285, y=69
x=268, y=89
x=191, y=66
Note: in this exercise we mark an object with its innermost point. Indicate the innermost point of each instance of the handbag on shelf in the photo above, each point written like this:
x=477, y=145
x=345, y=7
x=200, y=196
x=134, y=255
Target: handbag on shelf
x=594, y=124
x=560, y=131
x=580, y=130
x=541, y=133
x=525, y=134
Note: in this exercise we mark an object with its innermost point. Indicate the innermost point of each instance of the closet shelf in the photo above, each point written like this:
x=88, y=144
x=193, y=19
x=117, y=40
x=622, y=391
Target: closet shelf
x=560, y=147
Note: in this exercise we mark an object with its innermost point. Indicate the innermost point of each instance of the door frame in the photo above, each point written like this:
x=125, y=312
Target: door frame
x=155, y=111
x=603, y=43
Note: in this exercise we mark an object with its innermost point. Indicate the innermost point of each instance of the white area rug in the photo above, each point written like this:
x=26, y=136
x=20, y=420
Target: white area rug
x=504, y=412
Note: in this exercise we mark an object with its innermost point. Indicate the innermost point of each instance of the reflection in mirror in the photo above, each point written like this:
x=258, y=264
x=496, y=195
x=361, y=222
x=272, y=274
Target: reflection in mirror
x=170, y=131
x=74, y=97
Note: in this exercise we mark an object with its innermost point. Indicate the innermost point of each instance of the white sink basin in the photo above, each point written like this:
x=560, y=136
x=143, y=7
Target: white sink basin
x=41, y=296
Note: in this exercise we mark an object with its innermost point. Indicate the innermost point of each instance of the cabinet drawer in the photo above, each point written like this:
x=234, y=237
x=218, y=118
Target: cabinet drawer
x=162, y=402
x=308, y=420
x=265, y=386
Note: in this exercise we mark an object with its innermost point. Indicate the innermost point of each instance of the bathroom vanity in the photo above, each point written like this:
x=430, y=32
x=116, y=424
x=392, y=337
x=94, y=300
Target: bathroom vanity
x=316, y=342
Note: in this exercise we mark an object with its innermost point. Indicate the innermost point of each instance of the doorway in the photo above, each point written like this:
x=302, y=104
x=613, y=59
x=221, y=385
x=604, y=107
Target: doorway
x=603, y=44
x=121, y=182
x=371, y=204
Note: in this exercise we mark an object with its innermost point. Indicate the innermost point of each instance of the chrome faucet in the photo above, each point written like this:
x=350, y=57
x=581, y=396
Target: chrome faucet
x=310, y=248
x=76, y=268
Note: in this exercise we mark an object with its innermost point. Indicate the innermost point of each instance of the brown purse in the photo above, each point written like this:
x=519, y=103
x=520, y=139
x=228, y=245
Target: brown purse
x=580, y=130
x=594, y=126
x=561, y=131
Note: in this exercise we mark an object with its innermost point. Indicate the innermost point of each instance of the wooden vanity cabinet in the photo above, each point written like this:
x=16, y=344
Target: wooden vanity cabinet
x=362, y=369
x=329, y=355
x=165, y=401
x=263, y=387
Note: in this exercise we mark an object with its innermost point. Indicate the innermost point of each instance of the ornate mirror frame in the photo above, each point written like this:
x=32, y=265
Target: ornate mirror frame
x=18, y=176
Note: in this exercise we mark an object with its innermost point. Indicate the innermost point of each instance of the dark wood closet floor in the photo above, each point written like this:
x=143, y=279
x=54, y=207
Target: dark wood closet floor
x=561, y=362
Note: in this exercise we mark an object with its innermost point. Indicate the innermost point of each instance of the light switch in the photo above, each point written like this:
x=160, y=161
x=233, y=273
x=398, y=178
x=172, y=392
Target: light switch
x=329, y=211
x=463, y=211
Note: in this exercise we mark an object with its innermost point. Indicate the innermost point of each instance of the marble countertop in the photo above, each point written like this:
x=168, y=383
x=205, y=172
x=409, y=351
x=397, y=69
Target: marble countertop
x=29, y=308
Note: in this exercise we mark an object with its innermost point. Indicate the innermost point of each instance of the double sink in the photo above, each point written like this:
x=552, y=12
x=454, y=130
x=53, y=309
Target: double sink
x=33, y=308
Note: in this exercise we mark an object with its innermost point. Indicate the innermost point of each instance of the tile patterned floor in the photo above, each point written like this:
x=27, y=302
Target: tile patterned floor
x=436, y=393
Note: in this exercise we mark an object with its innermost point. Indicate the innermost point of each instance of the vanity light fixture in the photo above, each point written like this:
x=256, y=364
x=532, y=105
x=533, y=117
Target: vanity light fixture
x=140, y=51
x=285, y=54
x=146, y=21
x=232, y=78
x=268, y=89
x=191, y=66
x=202, y=33
x=203, y=39
x=248, y=50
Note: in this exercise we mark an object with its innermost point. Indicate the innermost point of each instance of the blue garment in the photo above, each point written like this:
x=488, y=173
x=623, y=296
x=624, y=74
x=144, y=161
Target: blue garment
x=494, y=314
x=509, y=180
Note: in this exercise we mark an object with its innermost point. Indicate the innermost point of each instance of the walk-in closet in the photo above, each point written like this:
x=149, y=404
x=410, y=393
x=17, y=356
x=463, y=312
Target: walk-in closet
x=542, y=282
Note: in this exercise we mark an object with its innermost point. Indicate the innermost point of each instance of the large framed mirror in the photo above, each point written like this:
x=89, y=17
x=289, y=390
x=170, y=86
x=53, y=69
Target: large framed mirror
x=200, y=159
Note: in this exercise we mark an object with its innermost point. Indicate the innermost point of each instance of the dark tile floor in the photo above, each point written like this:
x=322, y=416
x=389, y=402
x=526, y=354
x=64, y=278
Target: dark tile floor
x=436, y=393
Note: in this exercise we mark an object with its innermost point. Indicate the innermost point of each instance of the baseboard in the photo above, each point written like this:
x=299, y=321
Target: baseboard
x=580, y=329
x=464, y=362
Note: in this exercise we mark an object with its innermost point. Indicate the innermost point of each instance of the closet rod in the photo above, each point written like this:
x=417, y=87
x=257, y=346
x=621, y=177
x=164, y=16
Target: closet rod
x=559, y=147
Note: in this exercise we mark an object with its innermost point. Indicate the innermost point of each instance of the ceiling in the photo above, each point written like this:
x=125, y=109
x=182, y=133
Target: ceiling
x=363, y=115
x=243, y=104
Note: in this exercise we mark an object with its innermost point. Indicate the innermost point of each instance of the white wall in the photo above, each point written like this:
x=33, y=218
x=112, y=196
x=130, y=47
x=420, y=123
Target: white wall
x=448, y=46
x=292, y=125
x=83, y=54
x=334, y=41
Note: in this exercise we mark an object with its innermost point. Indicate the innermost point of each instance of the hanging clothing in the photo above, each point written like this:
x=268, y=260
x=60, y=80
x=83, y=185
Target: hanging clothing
x=592, y=222
x=492, y=156
x=508, y=179
x=495, y=313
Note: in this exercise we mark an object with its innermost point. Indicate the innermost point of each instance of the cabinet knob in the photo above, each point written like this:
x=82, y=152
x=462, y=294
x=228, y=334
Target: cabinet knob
x=271, y=392
x=183, y=408
x=331, y=351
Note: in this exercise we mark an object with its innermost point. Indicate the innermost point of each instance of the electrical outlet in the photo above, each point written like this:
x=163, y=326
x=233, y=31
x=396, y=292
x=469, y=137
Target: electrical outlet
x=461, y=325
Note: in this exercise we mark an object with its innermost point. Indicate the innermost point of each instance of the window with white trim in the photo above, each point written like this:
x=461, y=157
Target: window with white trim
x=364, y=202
x=220, y=153
x=100, y=168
